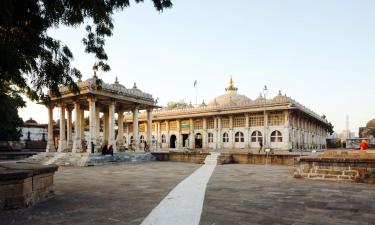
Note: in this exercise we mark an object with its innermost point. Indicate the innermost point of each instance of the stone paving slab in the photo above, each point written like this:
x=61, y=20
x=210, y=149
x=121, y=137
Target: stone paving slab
x=112, y=194
x=266, y=195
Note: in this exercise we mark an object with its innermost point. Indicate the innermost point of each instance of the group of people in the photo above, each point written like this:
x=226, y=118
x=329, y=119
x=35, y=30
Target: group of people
x=107, y=150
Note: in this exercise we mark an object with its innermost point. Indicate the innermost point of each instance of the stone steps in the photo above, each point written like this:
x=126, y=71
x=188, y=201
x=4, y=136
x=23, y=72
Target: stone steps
x=212, y=158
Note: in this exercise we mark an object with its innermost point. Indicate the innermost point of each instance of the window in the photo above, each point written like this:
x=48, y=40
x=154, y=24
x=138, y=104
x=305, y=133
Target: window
x=198, y=124
x=239, y=137
x=257, y=136
x=276, y=119
x=239, y=121
x=225, y=137
x=210, y=124
x=225, y=123
x=276, y=136
x=130, y=127
x=210, y=137
x=163, y=126
x=131, y=140
x=142, y=127
x=163, y=139
x=173, y=125
x=124, y=140
x=142, y=139
x=256, y=120
x=153, y=139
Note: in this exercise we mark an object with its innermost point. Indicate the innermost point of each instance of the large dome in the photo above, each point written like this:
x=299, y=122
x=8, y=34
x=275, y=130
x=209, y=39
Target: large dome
x=230, y=97
x=371, y=124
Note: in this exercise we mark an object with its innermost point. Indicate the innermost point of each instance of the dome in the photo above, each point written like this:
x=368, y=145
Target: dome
x=117, y=84
x=31, y=121
x=371, y=124
x=230, y=97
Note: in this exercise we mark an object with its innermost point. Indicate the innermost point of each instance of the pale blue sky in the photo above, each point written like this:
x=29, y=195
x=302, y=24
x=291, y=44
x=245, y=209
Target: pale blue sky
x=321, y=53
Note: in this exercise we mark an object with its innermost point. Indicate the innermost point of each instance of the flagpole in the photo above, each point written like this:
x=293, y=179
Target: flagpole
x=196, y=92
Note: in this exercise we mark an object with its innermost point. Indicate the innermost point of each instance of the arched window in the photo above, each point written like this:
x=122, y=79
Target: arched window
x=131, y=140
x=210, y=137
x=225, y=137
x=276, y=136
x=125, y=140
x=153, y=139
x=239, y=137
x=256, y=136
x=163, y=139
x=142, y=139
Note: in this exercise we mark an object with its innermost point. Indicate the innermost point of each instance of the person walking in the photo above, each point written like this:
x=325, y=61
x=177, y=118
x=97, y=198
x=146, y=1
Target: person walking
x=260, y=146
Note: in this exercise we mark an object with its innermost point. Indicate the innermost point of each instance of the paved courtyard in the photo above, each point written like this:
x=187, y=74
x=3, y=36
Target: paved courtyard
x=236, y=194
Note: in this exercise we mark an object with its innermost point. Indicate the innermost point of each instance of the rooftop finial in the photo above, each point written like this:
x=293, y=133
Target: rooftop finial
x=116, y=81
x=135, y=86
x=231, y=88
x=95, y=68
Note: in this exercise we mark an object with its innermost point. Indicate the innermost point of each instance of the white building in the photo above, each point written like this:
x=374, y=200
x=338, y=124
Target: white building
x=234, y=121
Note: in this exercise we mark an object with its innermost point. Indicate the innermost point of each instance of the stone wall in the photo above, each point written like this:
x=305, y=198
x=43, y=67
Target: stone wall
x=24, y=184
x=355, y=169
x=190, y=157
x=272, y=159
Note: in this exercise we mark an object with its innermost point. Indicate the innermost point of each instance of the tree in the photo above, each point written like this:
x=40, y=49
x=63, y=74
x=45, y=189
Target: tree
x=32, y=62
x=10, y=122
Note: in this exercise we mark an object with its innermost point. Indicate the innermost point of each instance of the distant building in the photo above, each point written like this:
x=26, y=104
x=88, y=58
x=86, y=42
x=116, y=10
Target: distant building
x=33, y=131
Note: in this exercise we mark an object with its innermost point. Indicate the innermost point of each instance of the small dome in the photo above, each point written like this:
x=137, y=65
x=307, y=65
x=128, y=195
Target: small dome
x=117, y=84
x=231, y=97
x=31, y=121
x=371, y=124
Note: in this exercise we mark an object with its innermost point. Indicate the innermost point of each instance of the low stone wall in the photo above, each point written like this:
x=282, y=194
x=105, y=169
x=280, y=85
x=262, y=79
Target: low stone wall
x=359, y=170
x=120, y=157
x=190, y=157
x=271, y=159
x=25, y=184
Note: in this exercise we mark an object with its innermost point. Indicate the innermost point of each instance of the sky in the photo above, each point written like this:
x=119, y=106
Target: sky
x=319, y=52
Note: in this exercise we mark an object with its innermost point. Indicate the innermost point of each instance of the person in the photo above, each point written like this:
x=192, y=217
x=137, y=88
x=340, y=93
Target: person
x=260, y=146
x=363, y=145
x=110, y=150
x=104, y=149
x=145, y=147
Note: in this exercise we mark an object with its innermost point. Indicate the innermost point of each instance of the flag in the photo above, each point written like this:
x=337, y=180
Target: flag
x=195, y=83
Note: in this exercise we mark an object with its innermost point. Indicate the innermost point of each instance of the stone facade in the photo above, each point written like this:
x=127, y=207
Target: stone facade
x=233, y=121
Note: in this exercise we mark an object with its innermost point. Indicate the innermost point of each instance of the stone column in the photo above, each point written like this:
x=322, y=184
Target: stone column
x=62, y=143
x=167, y=133
x=179, y=135
x=247, y=131
x=97, y=128
x=266, y=138
x=158, y=137
x=219, y=136
x=69, y=127
x=105, y=127
x=231, y=133
x=149, y=127
x=205, y=136
x=77, y=143
x=50, y=142
x=92, y=124
x=286, y=136
x=192, y=136
x=120, y=134
x=82, y=124
x=135, y=128
x=111, y=126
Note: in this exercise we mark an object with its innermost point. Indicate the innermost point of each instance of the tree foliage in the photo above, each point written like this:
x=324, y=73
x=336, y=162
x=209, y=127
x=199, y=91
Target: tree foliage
x=177, y=105
x=32, y=62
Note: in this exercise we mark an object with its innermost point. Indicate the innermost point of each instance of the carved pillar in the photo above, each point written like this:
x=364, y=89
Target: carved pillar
x=92, y=125
x=247, y=131
x=179, y=135
x=69, y=129
x=97, y=128
x=231, y=133
x=50, y=142
x=77, y=143
x=219, y=138
x=82, y=124
x=135, y=128
x=111, y=126
x=167, y=131
x=149, y=128
x=192, y=137
x=105, y=127
x=120, y=135
x=205, y=136
x=62, y=143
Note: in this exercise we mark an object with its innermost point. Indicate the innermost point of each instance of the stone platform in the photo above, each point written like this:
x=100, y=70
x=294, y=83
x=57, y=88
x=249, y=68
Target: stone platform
x=339, y=165
x=25, y=184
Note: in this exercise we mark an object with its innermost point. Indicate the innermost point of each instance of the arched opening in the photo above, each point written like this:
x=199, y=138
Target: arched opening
x=173, y=140
x=185, y=140
x=198, y=140
x=239, y=137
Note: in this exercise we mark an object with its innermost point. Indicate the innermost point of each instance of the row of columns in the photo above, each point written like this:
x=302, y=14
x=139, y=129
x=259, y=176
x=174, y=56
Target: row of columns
x=67, y=142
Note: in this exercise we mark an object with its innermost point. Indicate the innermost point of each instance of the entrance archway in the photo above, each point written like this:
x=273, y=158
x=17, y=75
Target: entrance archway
x=185, y=140
x=172, y=143
x=198, y=140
